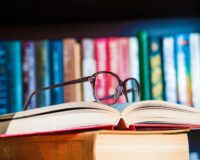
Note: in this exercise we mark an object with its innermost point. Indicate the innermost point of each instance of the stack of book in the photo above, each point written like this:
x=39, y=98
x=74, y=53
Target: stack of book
x=94, y=131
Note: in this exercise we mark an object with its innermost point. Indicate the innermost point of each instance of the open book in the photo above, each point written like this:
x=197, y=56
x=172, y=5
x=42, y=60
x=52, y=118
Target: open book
x=91, y=115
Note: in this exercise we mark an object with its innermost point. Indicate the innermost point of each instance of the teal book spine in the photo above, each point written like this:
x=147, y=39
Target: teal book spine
x=56, y=49
x=183, y=69
x=156, y=68
x=144, y=66
x=15, y=87
x=3, y=80
x=43, y=72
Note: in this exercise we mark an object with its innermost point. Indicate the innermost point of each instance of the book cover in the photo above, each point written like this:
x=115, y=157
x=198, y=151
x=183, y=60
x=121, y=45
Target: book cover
x=57, y=76
x=15, y=83
x=183, y=69
x=169, y=69
x=29, y=71
x=134, y=57
x=98, y=145
x=88, y=67
x=72, y=65
x=195, y=67
x=156, y=68
x=43, y=72
x=3, y=79
x=144, y=65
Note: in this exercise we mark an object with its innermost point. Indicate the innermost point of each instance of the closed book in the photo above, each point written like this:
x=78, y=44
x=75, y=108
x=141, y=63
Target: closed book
x=72, y=69
x=43, y=72
x=144, y=65
x=14, y=66
x=3, y=79
x=57, y=74
x=169, y=69
x=98, y=145
x=29, y=71
x=88, y=66
x=134, y=58
x=156, y=72
x=77, y=116
x=195, y=67
x=183, y=69
x=102, y=64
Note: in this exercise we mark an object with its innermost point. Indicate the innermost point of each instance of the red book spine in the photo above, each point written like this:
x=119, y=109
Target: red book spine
x=101, y=65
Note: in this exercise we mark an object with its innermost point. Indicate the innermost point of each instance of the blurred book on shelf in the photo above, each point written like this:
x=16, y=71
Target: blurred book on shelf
x=167, y=67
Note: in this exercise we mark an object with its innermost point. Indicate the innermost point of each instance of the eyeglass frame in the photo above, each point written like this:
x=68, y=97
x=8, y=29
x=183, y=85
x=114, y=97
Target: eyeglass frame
x=91, y=79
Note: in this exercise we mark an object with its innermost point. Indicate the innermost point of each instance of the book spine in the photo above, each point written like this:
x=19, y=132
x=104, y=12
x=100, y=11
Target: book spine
x=89, y=67
x=29, y=71
x=3, y=80
x=144, y=66
x=72, y=69
x=43, y=72
x=102, y=64
x=115, y=65
x=195, y=67
x=14, y=76
x=134, y=57
x=77, y=69
x=156, y=69
x=56, y=49
x=183, y=69
x=169, y=69
x=124, y=62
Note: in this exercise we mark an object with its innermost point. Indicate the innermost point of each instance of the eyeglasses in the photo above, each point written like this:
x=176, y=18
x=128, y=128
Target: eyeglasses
x=107, y=88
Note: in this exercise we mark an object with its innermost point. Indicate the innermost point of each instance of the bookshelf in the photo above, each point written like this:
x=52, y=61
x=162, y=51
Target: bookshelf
x=45, y=19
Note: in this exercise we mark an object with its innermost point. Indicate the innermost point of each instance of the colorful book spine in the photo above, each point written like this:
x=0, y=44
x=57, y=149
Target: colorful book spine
x=89, y=67
x=102, y=64
x=195, y=67
x=169, y=69
x=183, y=69
x=15, y=87
x=3, y=80
x=29, y=71
x=72, y=59
x=156, y=68
x=56, y=49
x=144, y=66
x=43, y=72
x=134, y=57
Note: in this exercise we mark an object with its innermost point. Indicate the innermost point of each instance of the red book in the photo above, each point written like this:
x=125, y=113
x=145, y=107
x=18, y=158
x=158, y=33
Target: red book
x=102, y=64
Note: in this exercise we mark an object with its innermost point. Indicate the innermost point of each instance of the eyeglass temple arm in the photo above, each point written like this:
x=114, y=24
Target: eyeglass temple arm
x=80, y=80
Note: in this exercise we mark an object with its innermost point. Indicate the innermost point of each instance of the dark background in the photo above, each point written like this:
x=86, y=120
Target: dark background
x=78, y=11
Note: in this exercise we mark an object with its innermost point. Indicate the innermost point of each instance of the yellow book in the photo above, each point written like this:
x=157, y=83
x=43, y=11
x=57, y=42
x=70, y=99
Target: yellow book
x=98, y=145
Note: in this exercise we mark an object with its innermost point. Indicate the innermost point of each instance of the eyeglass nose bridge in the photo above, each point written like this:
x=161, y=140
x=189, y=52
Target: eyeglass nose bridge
x=119, y=91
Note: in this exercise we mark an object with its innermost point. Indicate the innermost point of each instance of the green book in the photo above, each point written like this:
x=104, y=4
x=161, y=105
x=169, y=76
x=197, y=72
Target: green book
x=144, y=66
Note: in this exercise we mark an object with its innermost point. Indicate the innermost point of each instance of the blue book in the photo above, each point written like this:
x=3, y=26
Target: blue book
x=29, y=71
x=14, y=66
x=43, y=72
x=182, y=60
x=57, y=94
x=3, y=80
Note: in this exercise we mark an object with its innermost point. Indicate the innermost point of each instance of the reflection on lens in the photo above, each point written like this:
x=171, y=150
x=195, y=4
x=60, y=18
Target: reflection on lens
x=106, y=88
x=132, y=90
